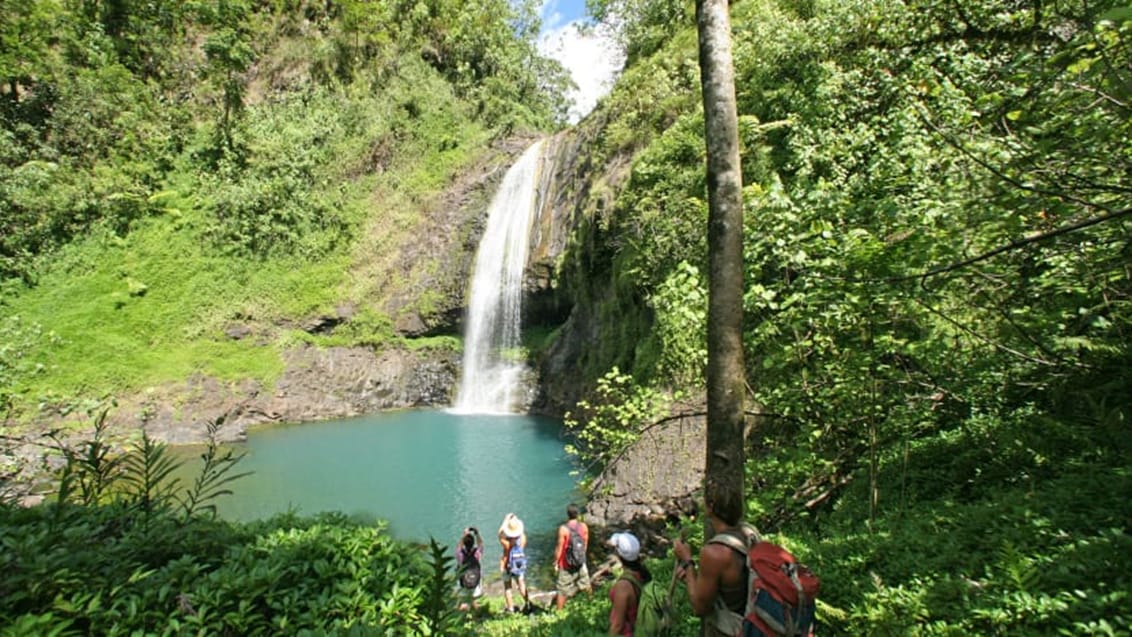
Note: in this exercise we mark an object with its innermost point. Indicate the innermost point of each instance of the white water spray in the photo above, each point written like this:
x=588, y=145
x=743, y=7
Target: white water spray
x=492, y=370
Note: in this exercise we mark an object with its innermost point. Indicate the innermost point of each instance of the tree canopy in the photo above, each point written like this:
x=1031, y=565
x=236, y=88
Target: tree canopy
x=936, y=294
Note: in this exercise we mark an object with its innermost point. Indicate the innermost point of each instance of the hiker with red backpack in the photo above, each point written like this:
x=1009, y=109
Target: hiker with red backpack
x=743, y=584
x=625, y=594
x=571, y=574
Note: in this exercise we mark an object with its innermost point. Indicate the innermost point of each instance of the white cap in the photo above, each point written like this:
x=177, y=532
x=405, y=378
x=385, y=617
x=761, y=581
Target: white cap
x=626, y=545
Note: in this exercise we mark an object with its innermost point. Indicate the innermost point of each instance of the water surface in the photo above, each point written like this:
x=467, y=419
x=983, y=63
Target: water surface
x=429, y=473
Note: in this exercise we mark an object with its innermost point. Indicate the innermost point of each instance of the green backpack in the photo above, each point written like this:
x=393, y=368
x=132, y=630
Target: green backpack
x=655, y=615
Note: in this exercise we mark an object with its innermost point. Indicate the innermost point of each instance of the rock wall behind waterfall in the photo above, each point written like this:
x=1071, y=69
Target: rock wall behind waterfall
x=577, y=189
x=569, y=286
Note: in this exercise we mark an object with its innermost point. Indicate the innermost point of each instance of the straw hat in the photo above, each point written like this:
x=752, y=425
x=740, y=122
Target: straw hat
x=512, y=526
x=627, y=545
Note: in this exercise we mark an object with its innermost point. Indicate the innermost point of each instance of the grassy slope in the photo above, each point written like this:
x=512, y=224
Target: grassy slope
x=150, y=307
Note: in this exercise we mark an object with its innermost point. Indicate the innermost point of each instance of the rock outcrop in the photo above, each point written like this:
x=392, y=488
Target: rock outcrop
x=318, y=384
x=656, y=478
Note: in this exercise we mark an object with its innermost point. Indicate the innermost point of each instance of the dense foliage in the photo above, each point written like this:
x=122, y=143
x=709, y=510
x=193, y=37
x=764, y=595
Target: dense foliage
x=937, y=286
x=167, y=167
x=125, y=548
x=937, y=297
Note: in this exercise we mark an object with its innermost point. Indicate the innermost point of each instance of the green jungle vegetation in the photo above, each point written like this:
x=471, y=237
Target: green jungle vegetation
x=169, y=166
x=937, y=290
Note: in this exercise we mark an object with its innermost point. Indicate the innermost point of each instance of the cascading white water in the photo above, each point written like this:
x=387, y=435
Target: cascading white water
x=491, y=335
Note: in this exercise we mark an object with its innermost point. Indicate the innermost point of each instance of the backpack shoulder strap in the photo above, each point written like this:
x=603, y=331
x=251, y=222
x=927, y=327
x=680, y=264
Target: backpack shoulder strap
x=750, y=531
x=730, y=541
x=740, y=539
x=573, y=526
x=634, y=581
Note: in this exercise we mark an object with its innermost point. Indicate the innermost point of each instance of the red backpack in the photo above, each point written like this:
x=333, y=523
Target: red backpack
x=780, y=591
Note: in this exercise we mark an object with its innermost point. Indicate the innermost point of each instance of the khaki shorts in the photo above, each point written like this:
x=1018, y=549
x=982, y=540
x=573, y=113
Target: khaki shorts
x=569, y=584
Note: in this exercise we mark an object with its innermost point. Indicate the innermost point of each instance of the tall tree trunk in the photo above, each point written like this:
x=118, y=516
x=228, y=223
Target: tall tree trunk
x=725, y=370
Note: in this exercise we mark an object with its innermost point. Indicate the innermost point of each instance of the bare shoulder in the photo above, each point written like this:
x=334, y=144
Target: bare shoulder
x=717, y=555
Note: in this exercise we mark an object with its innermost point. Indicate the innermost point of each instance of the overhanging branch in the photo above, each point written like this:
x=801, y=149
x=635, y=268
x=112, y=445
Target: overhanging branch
x=1014, y=245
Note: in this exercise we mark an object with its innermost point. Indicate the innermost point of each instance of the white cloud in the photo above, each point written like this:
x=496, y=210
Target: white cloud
x=592, y=60
x=553, y=13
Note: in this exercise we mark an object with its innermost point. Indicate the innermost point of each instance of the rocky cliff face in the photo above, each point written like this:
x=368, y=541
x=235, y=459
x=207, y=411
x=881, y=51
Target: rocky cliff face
x=654, y=479
x=318, y=384
x=425, y=295
x=577, y=191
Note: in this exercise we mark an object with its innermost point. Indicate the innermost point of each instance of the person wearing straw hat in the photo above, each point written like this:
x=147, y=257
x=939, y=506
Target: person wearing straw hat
x=625, y=594
x=513, y=564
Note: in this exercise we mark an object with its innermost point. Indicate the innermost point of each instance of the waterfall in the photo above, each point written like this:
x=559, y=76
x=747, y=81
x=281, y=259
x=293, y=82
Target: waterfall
x=492, y=369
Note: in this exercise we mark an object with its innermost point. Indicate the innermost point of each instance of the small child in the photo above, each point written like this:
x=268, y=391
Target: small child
x=469, y=555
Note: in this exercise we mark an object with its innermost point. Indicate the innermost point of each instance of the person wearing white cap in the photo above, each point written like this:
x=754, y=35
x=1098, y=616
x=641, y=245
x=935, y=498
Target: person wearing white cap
x=625, y=594
x=513, y=564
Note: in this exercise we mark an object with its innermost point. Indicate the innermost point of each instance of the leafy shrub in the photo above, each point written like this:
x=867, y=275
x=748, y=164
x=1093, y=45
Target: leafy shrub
x=111, y=555
x=603, y=427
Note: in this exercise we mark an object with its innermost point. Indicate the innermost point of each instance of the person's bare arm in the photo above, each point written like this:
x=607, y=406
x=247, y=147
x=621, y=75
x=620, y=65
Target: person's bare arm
x=604, y=569
x=617, y=616
x=563, y=538
x=703, y=583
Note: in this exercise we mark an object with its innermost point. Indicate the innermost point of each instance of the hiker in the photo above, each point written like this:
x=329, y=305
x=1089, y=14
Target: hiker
x=513, y=564
x=626, y=591
x=469, y=557
x=570, y=570
x=722, y=571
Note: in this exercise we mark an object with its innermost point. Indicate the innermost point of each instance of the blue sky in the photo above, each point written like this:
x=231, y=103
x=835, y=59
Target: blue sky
x=556, y=13
x=592, y=60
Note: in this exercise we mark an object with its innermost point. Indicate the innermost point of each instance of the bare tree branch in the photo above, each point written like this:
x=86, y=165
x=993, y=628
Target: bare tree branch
x=1014, y=245
x=984, y=339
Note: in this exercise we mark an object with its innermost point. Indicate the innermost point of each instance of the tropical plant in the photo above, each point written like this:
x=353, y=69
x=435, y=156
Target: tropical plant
x=604, y=426
x=113, y=552
x=214, y=477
